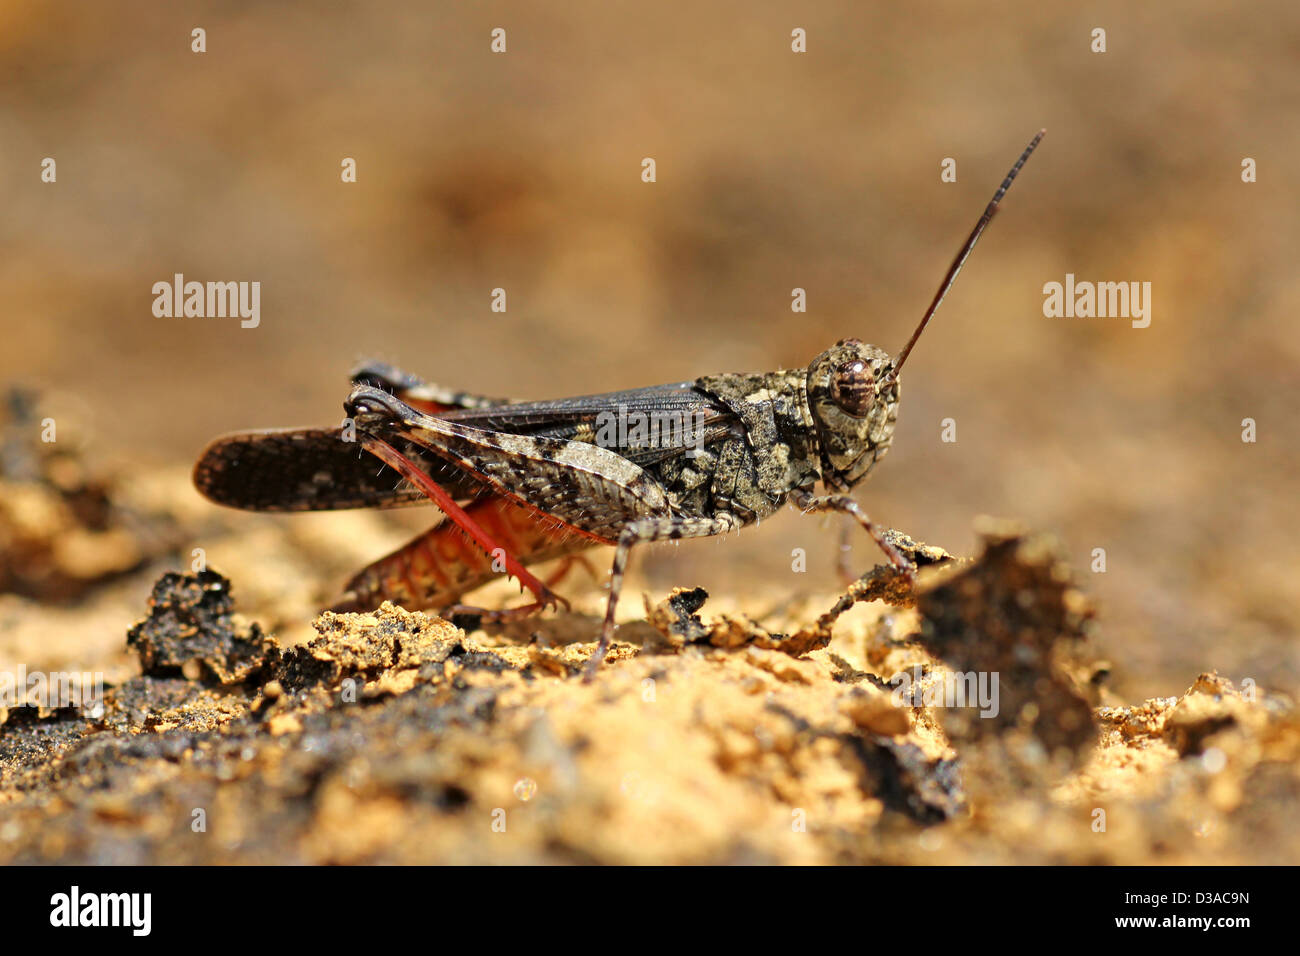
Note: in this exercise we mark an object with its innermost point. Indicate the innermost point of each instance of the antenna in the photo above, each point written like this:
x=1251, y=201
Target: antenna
x=962, y=256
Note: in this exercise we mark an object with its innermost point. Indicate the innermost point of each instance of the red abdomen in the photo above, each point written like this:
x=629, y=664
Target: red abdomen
x=436, y=568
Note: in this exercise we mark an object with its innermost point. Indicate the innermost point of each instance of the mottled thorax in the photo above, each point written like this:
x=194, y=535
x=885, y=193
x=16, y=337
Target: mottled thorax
x=773, y=406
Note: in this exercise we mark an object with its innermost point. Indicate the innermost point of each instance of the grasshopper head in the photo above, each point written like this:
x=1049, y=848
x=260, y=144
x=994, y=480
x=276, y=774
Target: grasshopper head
x=853, y=396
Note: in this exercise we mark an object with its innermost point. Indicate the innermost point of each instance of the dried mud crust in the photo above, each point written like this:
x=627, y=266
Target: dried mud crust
x=395, y=737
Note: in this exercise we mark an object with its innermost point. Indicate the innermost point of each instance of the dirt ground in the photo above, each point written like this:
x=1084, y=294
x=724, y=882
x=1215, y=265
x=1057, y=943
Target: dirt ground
x=776, y=171
x=709, y=736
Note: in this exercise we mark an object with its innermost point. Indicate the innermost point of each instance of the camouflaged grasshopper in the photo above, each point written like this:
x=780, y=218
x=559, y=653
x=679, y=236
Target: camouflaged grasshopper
x=525, y=482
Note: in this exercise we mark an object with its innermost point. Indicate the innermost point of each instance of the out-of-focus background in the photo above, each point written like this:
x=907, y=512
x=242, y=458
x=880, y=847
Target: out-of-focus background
x=775, y=170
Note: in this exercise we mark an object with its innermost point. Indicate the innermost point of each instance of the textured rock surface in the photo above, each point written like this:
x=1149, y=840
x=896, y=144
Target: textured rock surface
x=395, y=737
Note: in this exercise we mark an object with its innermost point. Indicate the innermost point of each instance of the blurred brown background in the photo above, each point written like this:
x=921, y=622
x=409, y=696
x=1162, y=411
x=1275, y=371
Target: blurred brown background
x=775, y=170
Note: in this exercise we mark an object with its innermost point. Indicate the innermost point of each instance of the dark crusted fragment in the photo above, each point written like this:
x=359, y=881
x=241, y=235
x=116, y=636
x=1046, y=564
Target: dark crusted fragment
x=909, y=782
x=898, y=773
x=190, y=620
x=1014, y=612
x=675, y=617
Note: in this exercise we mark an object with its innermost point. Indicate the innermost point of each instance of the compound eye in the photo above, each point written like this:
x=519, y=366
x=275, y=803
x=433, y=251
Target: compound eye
x=853, y=388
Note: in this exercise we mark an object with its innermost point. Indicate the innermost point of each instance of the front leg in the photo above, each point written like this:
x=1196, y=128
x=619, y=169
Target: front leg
x=809, y=502
x=645, y=530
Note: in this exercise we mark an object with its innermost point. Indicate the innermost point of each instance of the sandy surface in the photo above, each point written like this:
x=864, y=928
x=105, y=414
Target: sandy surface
x=709, y=736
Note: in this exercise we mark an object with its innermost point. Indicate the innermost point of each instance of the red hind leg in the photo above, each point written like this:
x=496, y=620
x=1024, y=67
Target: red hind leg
x=543, y=596
x=436, y=567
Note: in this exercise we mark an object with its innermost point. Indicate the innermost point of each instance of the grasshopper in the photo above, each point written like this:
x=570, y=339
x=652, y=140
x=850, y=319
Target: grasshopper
x=524, y=482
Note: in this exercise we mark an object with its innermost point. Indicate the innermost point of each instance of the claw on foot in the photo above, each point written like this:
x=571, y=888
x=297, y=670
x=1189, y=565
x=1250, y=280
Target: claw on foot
x=546, y=599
